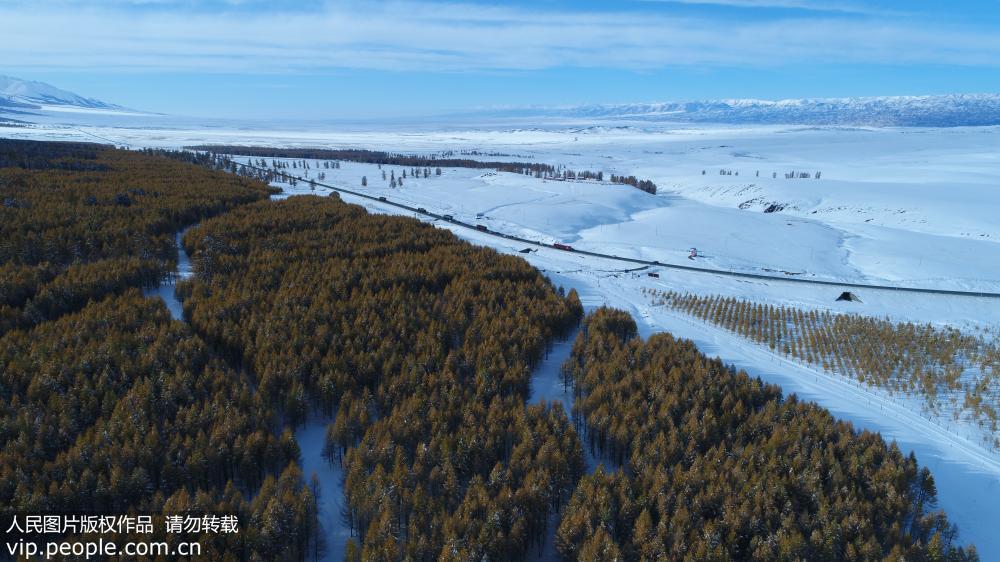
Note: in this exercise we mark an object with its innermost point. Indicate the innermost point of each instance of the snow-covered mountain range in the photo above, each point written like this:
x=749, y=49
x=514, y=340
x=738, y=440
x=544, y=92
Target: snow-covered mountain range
x=23, y=96
x=897, y=111
x=17, y=94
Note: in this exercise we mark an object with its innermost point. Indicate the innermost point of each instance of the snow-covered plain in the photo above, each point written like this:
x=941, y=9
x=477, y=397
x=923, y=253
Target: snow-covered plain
x=880, y=189
x=624, y=221
x=914, y=207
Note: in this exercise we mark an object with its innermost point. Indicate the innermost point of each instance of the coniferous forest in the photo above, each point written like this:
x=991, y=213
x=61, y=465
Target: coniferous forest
x=419, y=347
x=421, y=343
x=107, y=405
x=81, y=221
x=719, y=466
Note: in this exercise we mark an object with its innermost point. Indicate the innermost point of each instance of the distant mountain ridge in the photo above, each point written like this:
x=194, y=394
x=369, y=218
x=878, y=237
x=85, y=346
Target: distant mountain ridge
x=22, y=97
x=26, y=94
x=953, y=110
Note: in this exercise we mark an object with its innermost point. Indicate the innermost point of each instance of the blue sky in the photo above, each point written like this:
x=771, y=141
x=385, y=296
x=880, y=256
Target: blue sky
x=356, y=58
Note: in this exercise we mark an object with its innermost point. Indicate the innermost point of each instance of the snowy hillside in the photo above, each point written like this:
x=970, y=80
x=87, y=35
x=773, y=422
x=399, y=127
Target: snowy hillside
x=900, y=111
x=24, y=94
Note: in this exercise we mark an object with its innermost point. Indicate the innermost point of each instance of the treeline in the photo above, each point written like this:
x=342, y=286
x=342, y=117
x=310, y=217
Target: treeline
x=422, y=344
x=720, y=467
x=81, y=221
x=536, y=169
x=645, y=185
x=31, y=155
x=225, y=163
x=953, y=374
x=378, y=157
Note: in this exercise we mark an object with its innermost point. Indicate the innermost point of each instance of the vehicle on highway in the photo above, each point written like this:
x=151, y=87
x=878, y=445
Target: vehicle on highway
x=448, y=217
x=381, y=199
x=421, y=210
x=482, y=227
x=566, y=247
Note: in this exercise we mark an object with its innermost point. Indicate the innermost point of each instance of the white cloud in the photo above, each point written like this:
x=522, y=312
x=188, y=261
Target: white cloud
x=460, y=37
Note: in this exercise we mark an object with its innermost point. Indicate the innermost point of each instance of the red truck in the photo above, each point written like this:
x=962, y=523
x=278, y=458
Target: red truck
x=566, y=247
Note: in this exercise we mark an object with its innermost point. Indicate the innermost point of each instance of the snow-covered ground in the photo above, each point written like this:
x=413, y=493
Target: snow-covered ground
x=330, y=475
x=624, y=221
x=167, y=287
x=913, y=207
x=548, y=387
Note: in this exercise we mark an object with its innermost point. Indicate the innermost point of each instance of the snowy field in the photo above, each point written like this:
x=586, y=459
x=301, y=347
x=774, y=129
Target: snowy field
x=900, y=206
x=624, y=221
x=913, y=207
